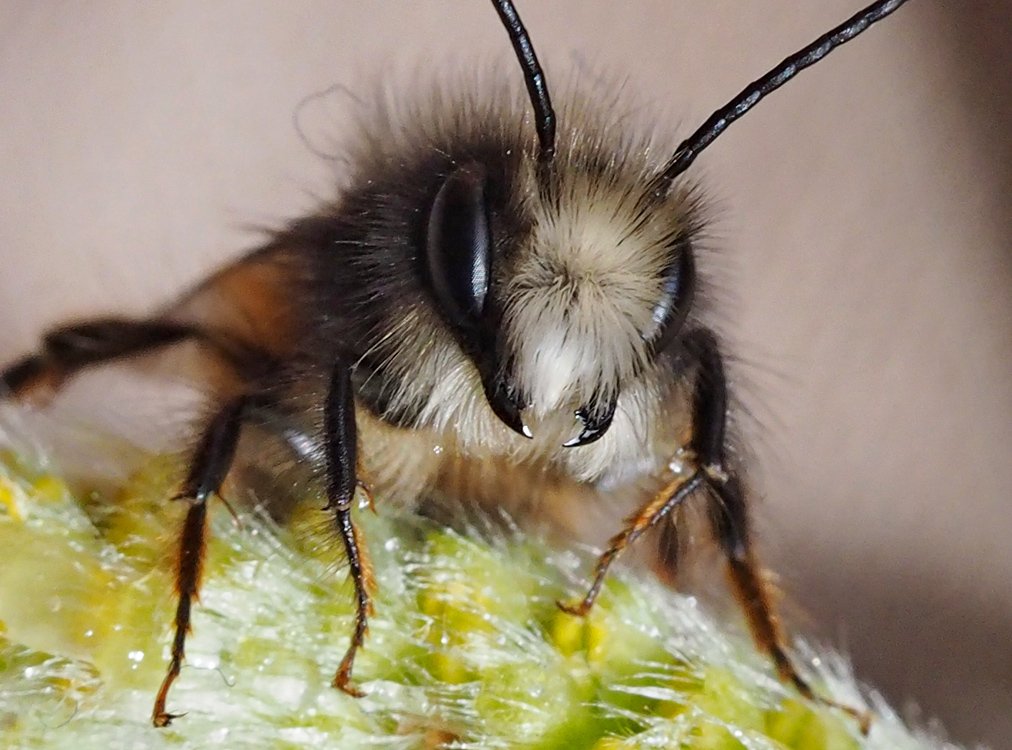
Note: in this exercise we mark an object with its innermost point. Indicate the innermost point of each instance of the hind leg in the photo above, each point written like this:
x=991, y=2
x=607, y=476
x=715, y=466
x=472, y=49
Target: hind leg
x=71, y=348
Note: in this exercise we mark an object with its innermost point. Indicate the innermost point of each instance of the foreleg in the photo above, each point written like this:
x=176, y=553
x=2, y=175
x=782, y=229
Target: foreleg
x=341, y=439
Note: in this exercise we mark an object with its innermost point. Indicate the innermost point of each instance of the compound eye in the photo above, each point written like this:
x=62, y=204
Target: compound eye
x=677, y=292
x=458, y=245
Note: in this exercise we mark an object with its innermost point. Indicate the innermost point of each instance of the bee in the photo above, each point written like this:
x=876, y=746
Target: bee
x=489, y=312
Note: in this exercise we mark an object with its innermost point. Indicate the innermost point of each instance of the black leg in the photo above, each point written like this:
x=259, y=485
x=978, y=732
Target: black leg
x=728, y=509
x=729, y=513
x=209, y=466
x=342, y=457
x=71, y=348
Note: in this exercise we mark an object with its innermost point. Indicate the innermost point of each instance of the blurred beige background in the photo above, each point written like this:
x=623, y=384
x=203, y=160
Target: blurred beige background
x=864, y=213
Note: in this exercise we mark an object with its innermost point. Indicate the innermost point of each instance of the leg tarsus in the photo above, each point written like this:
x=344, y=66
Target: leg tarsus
x=362, y=579
x=730, y=520
x=27, y=375
x=193, y=542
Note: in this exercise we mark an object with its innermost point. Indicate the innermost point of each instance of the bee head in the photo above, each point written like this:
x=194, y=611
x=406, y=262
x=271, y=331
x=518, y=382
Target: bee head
x=561, y=284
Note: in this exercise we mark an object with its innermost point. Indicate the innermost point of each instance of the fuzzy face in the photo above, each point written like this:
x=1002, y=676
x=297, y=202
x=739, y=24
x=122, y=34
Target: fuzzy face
x=573, y=312
x=581, y=293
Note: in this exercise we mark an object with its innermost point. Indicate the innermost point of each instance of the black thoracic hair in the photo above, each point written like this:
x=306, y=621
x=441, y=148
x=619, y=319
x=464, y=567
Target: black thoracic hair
x=719, y=121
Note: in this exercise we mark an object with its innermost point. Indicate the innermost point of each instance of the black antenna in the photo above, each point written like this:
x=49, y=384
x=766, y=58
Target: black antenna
x=719, y=121
x=534, y=77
